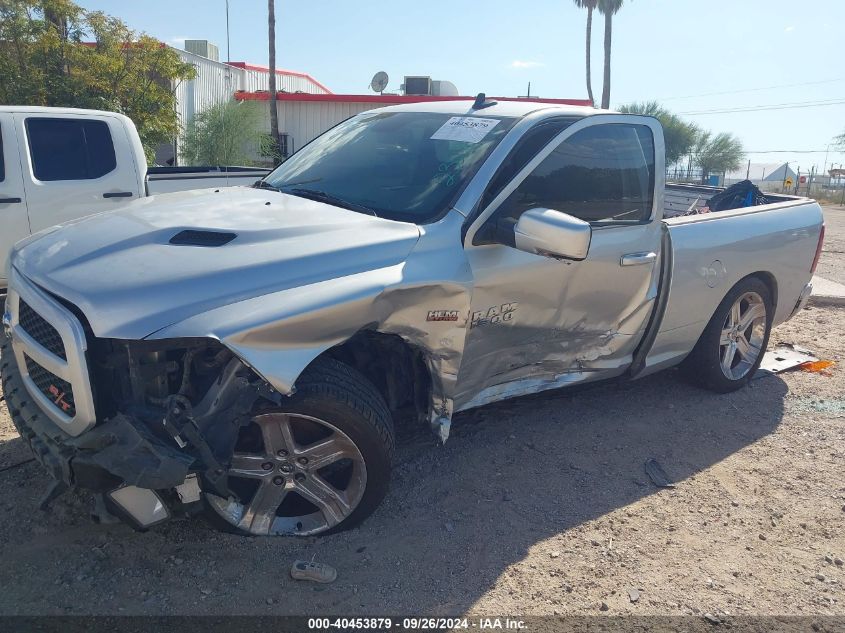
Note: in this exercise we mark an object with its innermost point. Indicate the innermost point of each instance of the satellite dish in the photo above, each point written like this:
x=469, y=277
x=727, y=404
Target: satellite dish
x=379, y=82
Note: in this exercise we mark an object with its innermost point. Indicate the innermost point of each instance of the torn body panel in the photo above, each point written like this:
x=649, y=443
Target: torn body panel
x=279, y=334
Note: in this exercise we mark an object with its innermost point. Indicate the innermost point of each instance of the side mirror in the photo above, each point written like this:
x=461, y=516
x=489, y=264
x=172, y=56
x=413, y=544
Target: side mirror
x=552, y=234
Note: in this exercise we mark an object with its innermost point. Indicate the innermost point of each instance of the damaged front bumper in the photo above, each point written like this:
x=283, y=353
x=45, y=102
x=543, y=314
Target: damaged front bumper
x=134, y=475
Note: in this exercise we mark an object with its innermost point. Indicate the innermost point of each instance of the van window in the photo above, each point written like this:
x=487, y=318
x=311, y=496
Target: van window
x=70, y=149
x=604, y=173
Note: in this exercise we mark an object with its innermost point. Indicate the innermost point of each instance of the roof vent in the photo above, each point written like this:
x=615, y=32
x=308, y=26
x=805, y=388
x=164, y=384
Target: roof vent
x=202, y=238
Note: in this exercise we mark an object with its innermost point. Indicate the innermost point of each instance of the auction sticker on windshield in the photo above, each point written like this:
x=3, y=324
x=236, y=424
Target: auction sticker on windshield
x=464, y=128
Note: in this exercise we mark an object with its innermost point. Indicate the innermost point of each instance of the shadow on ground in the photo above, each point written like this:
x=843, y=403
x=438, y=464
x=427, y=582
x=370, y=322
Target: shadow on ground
x=456, y=518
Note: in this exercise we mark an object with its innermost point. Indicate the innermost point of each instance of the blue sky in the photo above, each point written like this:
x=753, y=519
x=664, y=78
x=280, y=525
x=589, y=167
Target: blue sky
x=662, y=49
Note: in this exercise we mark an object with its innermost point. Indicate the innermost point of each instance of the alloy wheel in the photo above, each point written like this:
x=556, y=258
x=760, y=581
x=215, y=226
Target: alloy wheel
x=743, y=333
x=292, y=474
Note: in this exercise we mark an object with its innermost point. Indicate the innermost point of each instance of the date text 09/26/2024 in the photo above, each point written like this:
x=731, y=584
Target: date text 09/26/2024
x=416, y=624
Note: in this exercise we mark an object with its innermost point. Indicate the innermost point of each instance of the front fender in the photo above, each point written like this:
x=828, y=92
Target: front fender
x=280, y=334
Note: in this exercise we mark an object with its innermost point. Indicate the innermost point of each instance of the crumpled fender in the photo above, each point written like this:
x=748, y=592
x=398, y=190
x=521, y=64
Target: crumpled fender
x=279, y=334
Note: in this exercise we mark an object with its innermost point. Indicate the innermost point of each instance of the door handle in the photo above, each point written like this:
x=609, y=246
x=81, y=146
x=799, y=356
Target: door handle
x=637, y=259
x=118, y=194
x=10, y=200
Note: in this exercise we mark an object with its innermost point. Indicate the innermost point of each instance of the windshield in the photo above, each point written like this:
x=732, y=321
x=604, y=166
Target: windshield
x=407, y=166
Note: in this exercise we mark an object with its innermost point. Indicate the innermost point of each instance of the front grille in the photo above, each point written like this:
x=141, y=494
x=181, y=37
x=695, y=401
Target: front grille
x=44, y=334
x=58, y=391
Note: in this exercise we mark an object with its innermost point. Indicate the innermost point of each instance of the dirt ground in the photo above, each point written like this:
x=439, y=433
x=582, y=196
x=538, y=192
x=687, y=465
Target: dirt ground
x=832, y=262
x=536, y=506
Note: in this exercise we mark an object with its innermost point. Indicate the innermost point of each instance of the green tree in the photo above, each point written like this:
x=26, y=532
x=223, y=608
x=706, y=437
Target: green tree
x=590, y=6
x=839, y=142
x=608, y=9
x=225, y=134
x=717, y=153
x=679, y=135
x=45, y=60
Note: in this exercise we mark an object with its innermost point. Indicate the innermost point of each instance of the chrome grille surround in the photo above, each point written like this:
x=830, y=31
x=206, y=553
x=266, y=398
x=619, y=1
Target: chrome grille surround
x=72, y=371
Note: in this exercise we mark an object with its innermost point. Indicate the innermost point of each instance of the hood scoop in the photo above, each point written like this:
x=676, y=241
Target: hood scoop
x=202, y=238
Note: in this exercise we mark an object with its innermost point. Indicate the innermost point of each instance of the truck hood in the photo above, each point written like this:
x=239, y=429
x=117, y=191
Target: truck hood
x=122, y=267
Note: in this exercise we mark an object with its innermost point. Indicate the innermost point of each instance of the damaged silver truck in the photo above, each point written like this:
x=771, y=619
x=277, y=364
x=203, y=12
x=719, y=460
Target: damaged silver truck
x=244, y=352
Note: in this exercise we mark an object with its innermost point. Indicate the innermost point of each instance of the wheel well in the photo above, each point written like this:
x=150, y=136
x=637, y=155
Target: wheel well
x=768, y=279
x=396, y=368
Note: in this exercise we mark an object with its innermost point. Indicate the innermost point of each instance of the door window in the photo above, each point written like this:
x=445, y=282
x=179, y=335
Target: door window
x=70, y=149
x=601, y=174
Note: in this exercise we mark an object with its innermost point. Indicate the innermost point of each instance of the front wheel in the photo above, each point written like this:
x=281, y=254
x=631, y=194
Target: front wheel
x=318, y=464
x=732, y=345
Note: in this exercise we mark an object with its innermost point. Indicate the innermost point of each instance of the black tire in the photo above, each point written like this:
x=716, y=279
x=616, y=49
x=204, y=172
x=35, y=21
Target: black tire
x=337, y=393
x=703, y=365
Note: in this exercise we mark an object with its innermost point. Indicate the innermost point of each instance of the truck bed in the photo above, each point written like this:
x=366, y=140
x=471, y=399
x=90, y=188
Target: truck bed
x=710, y=252
x=682, y=199
x=170, y=179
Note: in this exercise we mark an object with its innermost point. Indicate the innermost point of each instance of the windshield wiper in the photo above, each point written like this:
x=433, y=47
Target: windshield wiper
x=322, y=196
x=263, y=184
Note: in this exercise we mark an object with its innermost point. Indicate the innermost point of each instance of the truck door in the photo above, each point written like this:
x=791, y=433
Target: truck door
x=74, y=165
x=538, y=322
x=14, y=224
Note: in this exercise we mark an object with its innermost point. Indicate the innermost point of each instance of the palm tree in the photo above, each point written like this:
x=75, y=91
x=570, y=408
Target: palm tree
x=274, y=114
x=607, y=8
x=590, y=5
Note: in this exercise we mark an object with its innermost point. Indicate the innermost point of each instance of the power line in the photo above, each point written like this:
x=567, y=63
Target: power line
x=767, y=107
x=733, y=92
x=792, y=151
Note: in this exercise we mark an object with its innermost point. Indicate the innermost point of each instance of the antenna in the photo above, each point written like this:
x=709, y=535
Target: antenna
x=481, y=102
x=379, y=82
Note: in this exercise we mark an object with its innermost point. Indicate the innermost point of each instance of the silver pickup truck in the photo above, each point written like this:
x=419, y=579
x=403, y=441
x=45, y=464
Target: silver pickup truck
x=246, y=352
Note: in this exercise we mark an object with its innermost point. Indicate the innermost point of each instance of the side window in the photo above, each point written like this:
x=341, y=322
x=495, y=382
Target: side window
x=534, y=140
x=70, y=149
x=604, y=173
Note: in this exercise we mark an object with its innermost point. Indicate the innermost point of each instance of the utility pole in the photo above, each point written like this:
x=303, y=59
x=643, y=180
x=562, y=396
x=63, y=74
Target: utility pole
x=274, y=113
x=228, y=49
x=825, y=159
x=748, y=170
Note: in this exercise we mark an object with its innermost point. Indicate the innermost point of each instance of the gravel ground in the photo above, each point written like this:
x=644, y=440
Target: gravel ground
x=535, y=506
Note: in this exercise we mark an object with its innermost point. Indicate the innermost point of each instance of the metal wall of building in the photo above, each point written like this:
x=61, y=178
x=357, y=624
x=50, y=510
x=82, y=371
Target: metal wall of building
x=215, y=83
x=255, y=80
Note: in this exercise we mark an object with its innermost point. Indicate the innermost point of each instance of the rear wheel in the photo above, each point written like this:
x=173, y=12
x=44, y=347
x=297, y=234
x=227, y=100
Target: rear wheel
x=318, y=464
x=732, y=345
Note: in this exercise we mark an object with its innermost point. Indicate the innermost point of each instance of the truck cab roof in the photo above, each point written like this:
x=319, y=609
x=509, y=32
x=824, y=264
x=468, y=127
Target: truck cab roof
x=499, y=107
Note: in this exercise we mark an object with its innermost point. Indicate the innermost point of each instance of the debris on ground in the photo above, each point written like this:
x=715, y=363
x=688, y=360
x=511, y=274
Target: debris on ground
x=316, y=572
x=633, y=594
x=657, y=475
x=817, y=366
x=783, y=357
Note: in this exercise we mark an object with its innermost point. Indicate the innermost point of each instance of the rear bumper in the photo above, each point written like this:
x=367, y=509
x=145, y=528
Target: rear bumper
x=802, y=299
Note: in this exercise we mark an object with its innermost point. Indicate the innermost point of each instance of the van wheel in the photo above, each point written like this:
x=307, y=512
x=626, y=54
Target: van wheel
x=317, y=464
x=732, y=346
